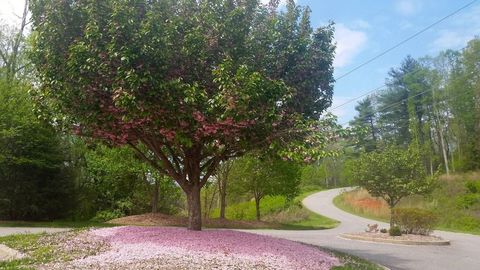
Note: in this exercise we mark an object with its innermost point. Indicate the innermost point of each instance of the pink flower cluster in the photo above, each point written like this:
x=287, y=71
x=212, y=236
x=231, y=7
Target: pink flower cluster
x=132, y=247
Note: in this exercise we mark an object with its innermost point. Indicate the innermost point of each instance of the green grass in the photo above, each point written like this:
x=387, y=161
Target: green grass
x=54, y=224
x=26, y=243
x=275, y=209
x=354, y=263
x=313, y=222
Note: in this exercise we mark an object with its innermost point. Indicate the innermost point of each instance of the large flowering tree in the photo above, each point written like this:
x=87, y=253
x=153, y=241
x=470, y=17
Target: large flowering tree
x=186, y=83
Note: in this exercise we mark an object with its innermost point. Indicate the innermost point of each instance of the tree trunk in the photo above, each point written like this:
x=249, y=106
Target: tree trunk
x=257, y=207
x=444, y=151
x=194, y=208
x=222, y=194
x=223, y=204
x=391, y=217
x=155, y=195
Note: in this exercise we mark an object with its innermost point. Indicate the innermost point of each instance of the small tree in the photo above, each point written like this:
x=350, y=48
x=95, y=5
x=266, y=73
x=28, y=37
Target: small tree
x=264, y=177
x=392, y=174
x=222, y=175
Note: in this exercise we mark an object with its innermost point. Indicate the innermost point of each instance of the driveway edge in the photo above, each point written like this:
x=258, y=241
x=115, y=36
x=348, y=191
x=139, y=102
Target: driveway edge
x=390, y=241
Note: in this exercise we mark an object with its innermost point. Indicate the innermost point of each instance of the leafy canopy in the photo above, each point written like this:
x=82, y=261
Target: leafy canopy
x=392, y=174
x=213, y=73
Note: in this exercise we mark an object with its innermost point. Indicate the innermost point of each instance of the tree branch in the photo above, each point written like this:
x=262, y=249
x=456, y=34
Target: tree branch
x=144, y=157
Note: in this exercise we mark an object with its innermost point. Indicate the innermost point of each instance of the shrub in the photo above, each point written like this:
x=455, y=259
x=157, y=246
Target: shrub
x=414, y=220
x=473, y=186
x=468, y=200
x=383, y=230
x=106, y=215
x=395, y=231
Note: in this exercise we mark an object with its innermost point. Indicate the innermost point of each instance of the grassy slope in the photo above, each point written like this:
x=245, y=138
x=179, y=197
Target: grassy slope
x=447, y=221
x=272, y=209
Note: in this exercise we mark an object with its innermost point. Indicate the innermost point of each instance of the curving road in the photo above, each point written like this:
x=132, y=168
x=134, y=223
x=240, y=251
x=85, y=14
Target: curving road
x=463, y=253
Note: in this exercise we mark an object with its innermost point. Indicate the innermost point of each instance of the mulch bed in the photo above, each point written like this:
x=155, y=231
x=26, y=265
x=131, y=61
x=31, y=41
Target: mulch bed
x=405, y=239
x=178, y=221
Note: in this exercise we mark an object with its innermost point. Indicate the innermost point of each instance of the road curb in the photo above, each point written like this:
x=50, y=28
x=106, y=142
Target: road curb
x=391, y=241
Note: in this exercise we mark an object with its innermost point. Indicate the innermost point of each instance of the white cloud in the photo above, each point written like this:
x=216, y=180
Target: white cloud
x=349, y=44
x=11, y=10
x=461, y=29
x=407, y=7
x=361, y=24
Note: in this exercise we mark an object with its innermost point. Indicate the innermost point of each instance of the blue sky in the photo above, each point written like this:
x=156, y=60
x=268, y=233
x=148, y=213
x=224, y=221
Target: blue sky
x=368, y=27
x=365, y=28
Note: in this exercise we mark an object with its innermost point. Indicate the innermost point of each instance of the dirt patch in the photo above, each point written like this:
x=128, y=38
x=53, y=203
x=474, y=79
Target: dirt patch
x=177, y=221
x=405, y=239
x=370, y=203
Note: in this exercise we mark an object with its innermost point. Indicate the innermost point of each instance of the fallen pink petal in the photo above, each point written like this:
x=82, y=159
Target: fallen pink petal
x=178, y=248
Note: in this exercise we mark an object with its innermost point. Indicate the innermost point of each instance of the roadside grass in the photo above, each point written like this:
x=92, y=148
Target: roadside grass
x=444, y=202
x=351, y=262
x=55, y=224
x=277, y=210
x=26, y=243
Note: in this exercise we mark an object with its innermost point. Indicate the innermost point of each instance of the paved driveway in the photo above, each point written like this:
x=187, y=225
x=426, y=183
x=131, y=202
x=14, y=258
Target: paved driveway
x=17, y=230
x=463, y=253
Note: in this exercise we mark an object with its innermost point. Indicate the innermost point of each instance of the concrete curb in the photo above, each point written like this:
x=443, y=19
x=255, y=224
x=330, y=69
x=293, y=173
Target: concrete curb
x=7, y=254
x=391, y=241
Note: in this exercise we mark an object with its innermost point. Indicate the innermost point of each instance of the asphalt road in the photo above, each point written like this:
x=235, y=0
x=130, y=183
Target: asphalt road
x=463, y=253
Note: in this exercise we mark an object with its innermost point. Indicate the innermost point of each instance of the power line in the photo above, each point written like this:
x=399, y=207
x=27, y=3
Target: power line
x=378, y=88
x=405, y=40
x=392, y=105
x=355, y=98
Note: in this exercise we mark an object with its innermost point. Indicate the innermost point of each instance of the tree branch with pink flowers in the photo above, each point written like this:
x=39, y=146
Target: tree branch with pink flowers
x=187, y=84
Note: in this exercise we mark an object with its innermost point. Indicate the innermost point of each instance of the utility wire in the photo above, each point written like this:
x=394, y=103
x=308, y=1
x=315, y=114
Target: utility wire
x=404, y=41
x=377, y=88
x=395, y=104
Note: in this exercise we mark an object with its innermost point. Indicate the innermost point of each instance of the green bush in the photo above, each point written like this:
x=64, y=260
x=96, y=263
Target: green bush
x=468, y=200
x=395, y=231
x=107, y=215
x=383, y=230
x=414, y=220
x=473, y=186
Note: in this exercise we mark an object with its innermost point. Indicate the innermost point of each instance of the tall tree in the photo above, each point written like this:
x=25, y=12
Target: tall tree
x=464, y=95
x=365, y=125
x=12, y=44
x=35, y=177
x=195, y=82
